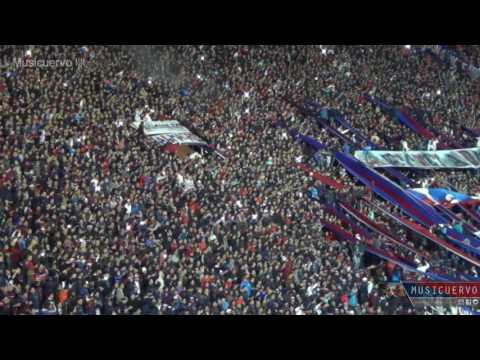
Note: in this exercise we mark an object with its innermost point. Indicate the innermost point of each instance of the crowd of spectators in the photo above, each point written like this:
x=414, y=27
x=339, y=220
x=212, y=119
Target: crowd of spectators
x=95, y=218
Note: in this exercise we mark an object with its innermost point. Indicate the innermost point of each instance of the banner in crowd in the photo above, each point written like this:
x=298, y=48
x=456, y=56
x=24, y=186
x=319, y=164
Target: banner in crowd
x=390, y=191
x=440, y=159
x=169, y=132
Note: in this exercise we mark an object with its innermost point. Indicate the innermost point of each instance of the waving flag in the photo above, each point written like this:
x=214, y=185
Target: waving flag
x=438, y=195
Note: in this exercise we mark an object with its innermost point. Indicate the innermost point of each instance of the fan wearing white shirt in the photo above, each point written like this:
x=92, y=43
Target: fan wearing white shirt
x=96, y=186
x=432, y=145
x=128, y=207
x=405, y=146
x=429, y=145
x=299, y=310
x=369, y=286
x=423, y=268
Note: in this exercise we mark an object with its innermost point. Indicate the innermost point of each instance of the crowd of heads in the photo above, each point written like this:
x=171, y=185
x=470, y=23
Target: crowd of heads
x=96, y=219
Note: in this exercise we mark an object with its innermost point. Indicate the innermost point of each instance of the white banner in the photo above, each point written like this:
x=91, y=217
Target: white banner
x=447, y=159
x=169, y=132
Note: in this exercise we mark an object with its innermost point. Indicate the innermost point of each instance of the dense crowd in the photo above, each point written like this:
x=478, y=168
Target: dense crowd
x=95, y=219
